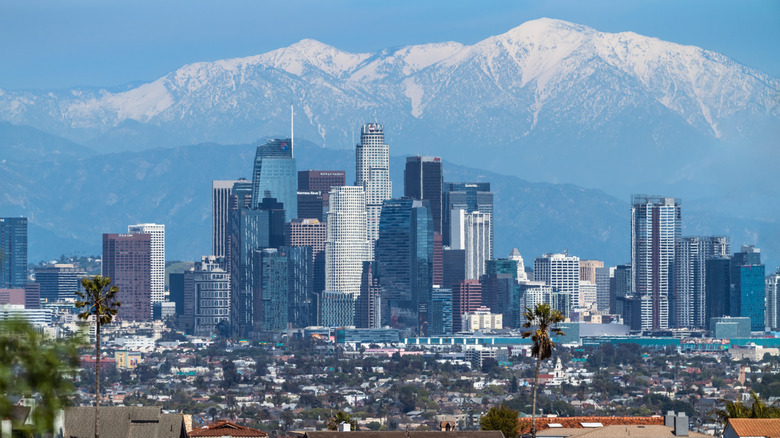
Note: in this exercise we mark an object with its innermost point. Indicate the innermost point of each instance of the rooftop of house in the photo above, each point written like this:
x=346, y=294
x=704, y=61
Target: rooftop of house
x=754, y=427
x=224, y=428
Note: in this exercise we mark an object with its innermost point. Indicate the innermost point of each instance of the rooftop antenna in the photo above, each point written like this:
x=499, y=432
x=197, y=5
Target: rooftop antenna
x=292, y=130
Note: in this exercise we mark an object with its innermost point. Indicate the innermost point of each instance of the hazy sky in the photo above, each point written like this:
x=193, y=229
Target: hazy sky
x=56, y=44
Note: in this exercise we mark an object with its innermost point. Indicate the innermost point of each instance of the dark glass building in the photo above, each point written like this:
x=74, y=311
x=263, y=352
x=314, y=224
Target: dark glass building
x=404, y=259
x=748, y=286
x=59, y=281
x=275, y=175
x=127, y=259
x=440, y=312
x=423, y=180
x=13, y=252
x=368, y=305
x=717, y=289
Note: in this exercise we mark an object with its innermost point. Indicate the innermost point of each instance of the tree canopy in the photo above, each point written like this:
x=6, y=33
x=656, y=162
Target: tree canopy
x=501, y=418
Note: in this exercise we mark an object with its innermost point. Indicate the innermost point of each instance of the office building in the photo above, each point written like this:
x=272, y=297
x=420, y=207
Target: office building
x=473, y=233
x=157, y=231
x=302, y=301
x=717, y=289
x=423, y=180
x=440, y=312
x=314, y=182
x=404, y=262
x=221, y=191
x=748, y=286
x=656, y=224
x=346, y=245
x=689, y=301
x=537, y=292
x=206, y=300
x=13, y=247
x=464, y=196
x=588, y=270
x=521, y=274
x=603, y=279
x=500, y=290
x=438, y=260
x=59, y=281
x=562, y=272
x=338, y=309
x=372, y=173
x=311, y=205
x=275, y=175
x=773, y=301
x=453, y=266
x=312, y=233
x=176, y=290
x=271, y=290
x=619, y=287
x=250, y=229
x=368, y=307
x=32, y=295
x=482, y=319
x=127, y=259
x=466, y=297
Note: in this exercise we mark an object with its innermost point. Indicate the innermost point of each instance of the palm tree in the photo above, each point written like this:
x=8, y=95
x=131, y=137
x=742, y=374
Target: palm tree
x=541, y=320
x=101, y=303
x=737, y=409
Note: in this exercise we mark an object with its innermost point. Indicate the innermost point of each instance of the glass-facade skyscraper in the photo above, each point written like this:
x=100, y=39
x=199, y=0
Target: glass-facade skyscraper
x=464, y=196
x=13, y=252
x=423, y=179
x=691, y=255
x=656, y=227
x=748, y=286
x=275, y=175
x=404, y=259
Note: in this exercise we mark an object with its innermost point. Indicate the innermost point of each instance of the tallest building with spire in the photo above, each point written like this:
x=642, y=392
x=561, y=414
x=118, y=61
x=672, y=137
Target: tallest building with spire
x=276, y=176
x=372, y=172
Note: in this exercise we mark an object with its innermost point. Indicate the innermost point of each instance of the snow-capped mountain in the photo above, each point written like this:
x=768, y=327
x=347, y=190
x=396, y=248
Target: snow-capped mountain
x=548, y=100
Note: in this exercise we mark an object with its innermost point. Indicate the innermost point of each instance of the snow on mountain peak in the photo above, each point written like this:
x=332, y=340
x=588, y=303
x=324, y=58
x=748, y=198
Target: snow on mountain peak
x=297, y=57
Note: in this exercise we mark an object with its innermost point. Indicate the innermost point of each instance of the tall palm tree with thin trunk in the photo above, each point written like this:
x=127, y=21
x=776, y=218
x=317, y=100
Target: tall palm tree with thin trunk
x=541, y=321
x=99, y=300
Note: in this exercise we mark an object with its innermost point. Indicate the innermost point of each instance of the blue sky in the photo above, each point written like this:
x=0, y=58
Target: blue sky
x=57, y=44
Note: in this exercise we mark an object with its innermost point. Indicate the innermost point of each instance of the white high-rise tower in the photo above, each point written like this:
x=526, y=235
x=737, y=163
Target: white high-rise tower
x=157, y=232
x=346, y=246
x=372, y=173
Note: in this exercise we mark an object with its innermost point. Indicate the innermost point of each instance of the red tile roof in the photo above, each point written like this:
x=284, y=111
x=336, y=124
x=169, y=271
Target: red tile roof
x=764, y=427
x=576, y=422
x=226, y=428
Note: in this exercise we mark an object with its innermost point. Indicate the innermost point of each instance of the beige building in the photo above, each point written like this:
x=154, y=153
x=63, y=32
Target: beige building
x=588, y=270
x=482, y=319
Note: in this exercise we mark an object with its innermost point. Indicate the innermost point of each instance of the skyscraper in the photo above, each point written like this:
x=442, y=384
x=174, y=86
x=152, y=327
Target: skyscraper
x=404, y=262
x=157, y=232
x=464, y=196
x=562, y=272
x=347, y=245
x=275, y=175
x=466, y=297
x=59, y=281
x=13, y=252
x=440, y=312
x=312, y=233
x=656, y=226
x=127, y=259
x=690, y=266
x=588, y=270
x=773, y=300
x=250, y=229
x=717, y=289
x=372, y=173
x=423, y=181
x=313, y=189
x=748, y=286
x=220, y=208
x=368, y=307
x=603, y=278
x=271, y=290
x=473, y=233
x=206, y=296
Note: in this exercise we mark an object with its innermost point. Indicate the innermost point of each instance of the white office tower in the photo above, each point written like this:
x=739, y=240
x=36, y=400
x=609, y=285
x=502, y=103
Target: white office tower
x=372, y=173
x=346, y=244
x=562, y=272
x=158, y=257
x=471, y=232
x=515, y=255
x=772, y=316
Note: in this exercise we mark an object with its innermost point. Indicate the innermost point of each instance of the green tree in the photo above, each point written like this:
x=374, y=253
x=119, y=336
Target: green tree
x=541, y=320
x=31, y=366
x=737, y=409
x=98, y=300
x=341, y=417
x=501, y=418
